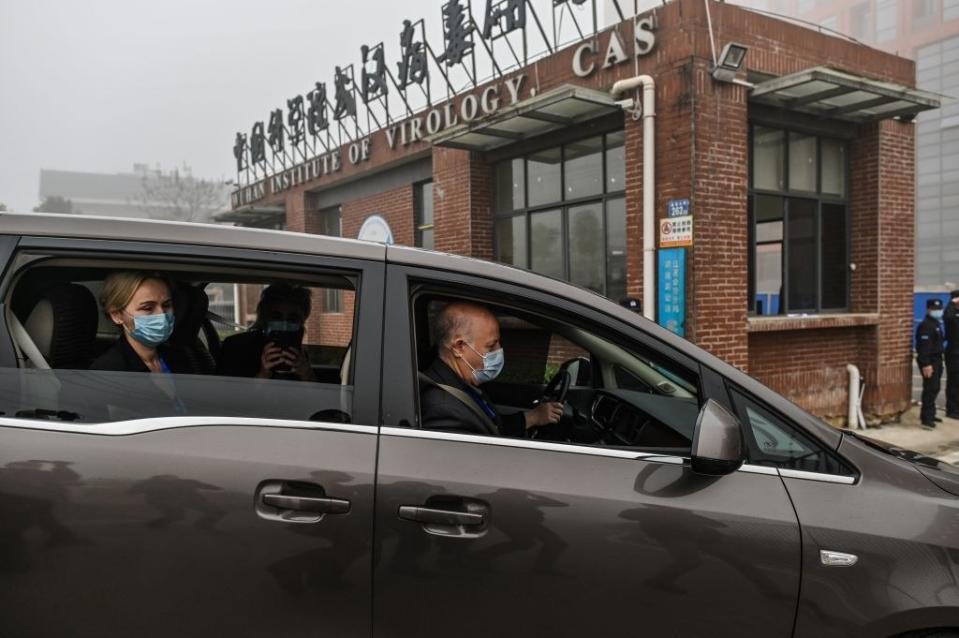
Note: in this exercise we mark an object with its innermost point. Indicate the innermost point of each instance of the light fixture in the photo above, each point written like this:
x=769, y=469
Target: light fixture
x=729, y=62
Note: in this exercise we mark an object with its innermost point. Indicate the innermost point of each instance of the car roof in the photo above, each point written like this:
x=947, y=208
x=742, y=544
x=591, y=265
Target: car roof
x=93, y=227
x=119, y=228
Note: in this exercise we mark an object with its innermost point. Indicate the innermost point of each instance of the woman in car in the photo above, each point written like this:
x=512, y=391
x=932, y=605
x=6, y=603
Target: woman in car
x=141, y=305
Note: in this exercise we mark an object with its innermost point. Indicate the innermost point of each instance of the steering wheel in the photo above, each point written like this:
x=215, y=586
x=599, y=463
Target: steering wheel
x=557, y=387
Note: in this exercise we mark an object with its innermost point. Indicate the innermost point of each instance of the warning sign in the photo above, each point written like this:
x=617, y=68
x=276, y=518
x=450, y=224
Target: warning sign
x=676, y=231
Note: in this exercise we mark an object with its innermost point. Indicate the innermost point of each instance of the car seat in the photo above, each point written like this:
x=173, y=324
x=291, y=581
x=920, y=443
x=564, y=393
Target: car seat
x=190, y=307
x=63, y=326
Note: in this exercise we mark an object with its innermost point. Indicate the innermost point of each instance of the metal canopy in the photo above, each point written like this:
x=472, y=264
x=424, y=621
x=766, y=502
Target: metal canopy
x=828, y=93
x=560, y=108
x=254, y=216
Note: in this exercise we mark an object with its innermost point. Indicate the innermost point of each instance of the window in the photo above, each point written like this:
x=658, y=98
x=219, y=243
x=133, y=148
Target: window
x=621, y=393
x=561, y=212
x=860, y=22
x=215, y=365
x=770, y=441
x=331, y=223
x=423, y=214
x=886, y=20
x=799, y=228
x=924, y=13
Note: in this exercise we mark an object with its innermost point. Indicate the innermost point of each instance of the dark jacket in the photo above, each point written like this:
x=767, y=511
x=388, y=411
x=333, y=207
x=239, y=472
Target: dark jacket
x=240, y=354
x=121, y=357
x=929, y=340
x=950, y=321
x=442, y=411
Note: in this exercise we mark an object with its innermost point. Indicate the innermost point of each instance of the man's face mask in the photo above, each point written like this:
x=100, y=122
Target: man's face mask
x=935, y=314
x=493, y=363
x=152, y=330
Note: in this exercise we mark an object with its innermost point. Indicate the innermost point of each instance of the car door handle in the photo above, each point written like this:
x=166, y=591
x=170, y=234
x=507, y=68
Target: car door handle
x=311, y=504
x=434, y=516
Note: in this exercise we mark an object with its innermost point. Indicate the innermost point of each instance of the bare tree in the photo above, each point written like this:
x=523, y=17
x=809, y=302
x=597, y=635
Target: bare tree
x=179, y=196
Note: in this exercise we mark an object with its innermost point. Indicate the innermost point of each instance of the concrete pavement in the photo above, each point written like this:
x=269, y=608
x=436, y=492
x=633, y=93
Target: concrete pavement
x=941, y=443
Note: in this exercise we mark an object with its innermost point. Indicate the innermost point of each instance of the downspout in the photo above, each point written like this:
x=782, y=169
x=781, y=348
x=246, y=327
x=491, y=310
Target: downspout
x=854, y=416
x=649, y=184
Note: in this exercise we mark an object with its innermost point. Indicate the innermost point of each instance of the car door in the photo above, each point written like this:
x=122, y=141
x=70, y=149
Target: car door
x=482, y=536
x=234, y=514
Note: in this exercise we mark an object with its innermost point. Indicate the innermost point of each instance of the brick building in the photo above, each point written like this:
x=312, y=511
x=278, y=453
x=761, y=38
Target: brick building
x=798, y=173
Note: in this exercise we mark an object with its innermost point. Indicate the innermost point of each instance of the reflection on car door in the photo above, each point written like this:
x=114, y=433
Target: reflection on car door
x=485, y=536
x=191, y=525
x=576, y=543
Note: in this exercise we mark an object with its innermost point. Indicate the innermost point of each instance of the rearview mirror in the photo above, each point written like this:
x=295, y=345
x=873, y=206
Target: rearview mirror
x=717, y=441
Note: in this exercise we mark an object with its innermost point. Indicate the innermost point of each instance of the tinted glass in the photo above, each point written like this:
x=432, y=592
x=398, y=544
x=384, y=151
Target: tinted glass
x=216, y=367
x=771, y=441
x=511, y=241
x=510, y=185
x=584, y=168
x=586, y=247
x=802, y=162
x=616, y=249
x=544, y=177
x=768, y=156
x=546, y=243
x=615, y=162
x=802, y=255
x=833, y=167
x=834, y=258
x=768, y=266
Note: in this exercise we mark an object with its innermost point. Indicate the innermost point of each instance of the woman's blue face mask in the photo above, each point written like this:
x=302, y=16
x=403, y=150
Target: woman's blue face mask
x=152, y=330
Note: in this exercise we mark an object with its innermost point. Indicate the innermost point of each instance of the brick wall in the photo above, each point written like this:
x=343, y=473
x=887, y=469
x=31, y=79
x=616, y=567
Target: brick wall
x=702, y=154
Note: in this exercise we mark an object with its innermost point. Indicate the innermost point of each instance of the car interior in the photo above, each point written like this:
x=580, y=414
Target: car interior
x=64, y=328
x=614, y=396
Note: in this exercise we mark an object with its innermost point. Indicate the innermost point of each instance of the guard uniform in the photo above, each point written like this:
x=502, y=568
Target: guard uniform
x=950, y=321
x=929, y=348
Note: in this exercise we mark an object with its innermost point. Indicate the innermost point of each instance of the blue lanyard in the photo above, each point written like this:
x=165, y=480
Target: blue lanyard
x=490, y=412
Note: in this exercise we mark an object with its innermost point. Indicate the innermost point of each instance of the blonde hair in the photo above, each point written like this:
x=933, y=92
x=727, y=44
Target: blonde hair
x=119, y=288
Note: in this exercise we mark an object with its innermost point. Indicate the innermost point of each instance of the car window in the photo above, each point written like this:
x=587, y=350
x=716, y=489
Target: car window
x=656, y=409
x=213, y=361
x=770, y=440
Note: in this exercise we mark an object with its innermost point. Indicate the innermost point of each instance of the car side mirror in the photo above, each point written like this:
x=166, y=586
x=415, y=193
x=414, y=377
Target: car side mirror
x=717, y=441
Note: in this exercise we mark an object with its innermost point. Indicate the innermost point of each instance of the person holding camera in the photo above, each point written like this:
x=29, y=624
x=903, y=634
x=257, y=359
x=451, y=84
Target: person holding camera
x=273, y=346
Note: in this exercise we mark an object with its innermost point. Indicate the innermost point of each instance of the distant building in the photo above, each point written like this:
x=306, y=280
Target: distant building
x=928, y=32
x=144, y=193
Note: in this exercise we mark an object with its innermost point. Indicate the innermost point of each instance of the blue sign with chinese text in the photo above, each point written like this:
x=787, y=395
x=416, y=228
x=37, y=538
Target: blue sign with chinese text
x=677, y=207
x=672, y=290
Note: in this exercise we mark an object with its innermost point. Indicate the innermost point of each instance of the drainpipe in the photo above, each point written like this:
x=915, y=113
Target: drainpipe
x=649, y=184
x=854, y=415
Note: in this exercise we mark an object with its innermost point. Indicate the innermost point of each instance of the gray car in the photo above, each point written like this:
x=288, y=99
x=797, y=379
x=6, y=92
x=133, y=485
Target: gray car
x=676, y=497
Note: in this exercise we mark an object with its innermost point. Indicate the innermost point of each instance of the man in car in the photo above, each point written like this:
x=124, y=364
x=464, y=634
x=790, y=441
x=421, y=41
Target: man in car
x=469, y=354
x=272, y=347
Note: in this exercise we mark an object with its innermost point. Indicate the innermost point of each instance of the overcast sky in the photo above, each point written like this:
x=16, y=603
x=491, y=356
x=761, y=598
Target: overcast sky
x=101, y=84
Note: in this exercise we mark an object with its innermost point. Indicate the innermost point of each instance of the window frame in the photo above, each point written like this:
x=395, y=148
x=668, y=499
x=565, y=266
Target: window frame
x=418, y=226
x=400, y=398
x=332, y=299
x=367, y=327
x=788, y=194
x=563, y=205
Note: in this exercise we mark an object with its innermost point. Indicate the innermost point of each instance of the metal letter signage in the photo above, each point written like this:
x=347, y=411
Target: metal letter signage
x=321, y=126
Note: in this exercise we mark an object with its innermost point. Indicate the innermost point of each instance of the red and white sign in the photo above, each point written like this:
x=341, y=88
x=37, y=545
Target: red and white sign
x=676, y=232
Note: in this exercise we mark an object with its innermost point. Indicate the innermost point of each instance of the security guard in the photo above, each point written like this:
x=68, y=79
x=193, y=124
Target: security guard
x=929, y=340
x=950, y=321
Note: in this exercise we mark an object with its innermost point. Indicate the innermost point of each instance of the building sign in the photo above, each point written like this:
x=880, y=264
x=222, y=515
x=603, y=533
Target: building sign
x=587, y=57
x=677, y=208
x=331, y=124
x=376, y=229
x=672, y=290
x=676, y=231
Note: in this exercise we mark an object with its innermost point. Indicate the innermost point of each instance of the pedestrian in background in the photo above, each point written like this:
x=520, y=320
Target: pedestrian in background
x=929, y=342
x=950, y=321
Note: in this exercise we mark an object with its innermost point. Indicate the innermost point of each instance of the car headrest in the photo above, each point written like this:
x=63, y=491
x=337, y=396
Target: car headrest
x=63, y=326
x=190, y=306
